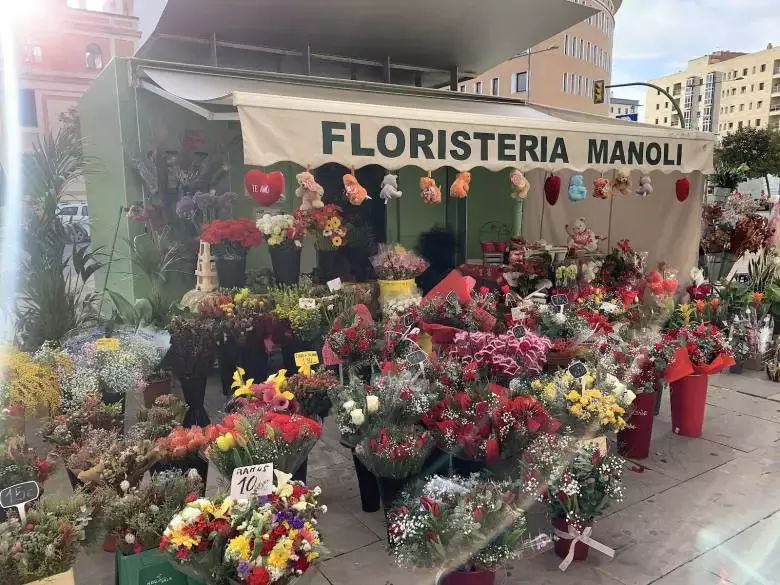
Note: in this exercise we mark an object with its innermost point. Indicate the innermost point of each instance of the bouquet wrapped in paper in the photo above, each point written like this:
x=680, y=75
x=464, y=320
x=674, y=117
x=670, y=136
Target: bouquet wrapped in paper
x=352, y=335
x=396, y=452
x=700, y=350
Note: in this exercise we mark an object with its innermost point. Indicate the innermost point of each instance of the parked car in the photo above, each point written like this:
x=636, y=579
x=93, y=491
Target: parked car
x=75, y=217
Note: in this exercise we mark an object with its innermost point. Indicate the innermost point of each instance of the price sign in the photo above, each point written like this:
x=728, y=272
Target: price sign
x=743, y=277
x=107, y=344
x=518, y=314
x=599, y=442
x=452, y=298
x=334, y=284
x=416, y=357
x=306, y=303
x=408, y=320
x=252, y=480
x=16, y=496
x=306, y=358
x=518, y=331
x=559, y=300
x=578, y=370
x=609, y=307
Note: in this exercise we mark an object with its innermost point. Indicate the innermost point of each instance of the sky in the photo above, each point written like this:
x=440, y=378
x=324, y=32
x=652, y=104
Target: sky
x=652, y=37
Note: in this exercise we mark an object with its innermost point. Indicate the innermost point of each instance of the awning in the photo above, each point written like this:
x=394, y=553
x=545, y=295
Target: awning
x=312, y=122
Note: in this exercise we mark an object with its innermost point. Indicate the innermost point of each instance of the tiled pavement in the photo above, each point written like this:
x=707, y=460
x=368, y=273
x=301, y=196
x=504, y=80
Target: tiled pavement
x=697, y=512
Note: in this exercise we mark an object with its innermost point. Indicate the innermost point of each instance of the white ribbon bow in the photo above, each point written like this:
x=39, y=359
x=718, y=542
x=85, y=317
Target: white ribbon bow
x=584, y=538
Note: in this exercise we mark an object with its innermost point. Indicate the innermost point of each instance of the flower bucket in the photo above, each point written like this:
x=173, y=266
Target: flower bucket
x=194, y=461
x=227, y=361
x=368, y=486
x=66, y=578
x=254, y=360
x=396, y=289
x=468, y=578
x=286, y=262
x=150, y=567
x=153, y=390
x=389, y=490
x=562, y=545
x=634, y=443
x=194, y=391
x=688, y=397
x=488, y=246
x=231, y=271
x=302, y=472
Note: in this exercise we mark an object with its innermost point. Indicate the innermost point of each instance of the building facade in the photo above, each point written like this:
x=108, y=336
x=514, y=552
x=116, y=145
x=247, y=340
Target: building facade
x=60, y=49
x=623, y=108
x=559, y=72
x=720, y=93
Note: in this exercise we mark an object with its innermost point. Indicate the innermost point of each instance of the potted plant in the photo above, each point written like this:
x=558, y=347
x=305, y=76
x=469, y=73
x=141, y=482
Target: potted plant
x=465, y=528
x=298, y=306
x=44, y=547
x=284, y=234
x=190, y=357
x=396, y=268
x=231, y=238
x=66, y=431
x=576, y=482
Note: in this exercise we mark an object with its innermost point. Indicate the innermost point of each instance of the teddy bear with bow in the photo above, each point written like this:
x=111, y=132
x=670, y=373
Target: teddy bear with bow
x=309, y=191
x=431, y=192
x=581, y=237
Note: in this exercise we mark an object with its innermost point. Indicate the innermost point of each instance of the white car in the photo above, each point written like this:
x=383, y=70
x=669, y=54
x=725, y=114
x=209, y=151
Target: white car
x=75, y=217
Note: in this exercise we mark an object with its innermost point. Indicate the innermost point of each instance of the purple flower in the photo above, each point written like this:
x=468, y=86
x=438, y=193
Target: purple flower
x=297, y=522
x=185, y=208
x=227, y=199
x=243, y=570
x=205, y=200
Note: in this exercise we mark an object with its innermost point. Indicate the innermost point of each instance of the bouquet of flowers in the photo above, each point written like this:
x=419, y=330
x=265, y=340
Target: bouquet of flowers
x=504, y=356
x=158, y=421
x=326, y=224
x=701, y=350
x=470, y=524
x=30, y=381
x=273, y=394
x=192, y=346
x=139, y=516
x=47, y=543
x=354, y=409
x=181, y=442
x=574, y=480
x=397, y=451
x=394, y=262
x=66, y=431
x=556, y=325
x=622, y=266
x=203, y=207
x=270, y=437
x=277, y=538
x=305, y=323
x=282, y=228
x=311, y=392
x=352, y=336
x=232, y=236
x=566, y=276
x=122, y=465
x=517, y=420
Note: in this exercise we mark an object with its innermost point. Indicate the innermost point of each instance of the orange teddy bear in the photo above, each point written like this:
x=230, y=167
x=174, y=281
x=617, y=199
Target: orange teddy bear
x=356, y=193
x=431, y=193
x=601, y=188
x=460, y=187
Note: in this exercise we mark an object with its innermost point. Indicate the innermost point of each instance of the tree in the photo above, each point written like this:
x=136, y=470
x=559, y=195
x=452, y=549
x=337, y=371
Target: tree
x=756, y=148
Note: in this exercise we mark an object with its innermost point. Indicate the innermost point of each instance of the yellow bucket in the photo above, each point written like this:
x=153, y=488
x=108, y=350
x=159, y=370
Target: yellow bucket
x=393, y=289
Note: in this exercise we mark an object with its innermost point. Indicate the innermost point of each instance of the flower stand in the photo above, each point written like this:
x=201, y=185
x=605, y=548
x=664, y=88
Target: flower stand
x=231, y=271
x=153, y=390
x=688, y=398
x=150, y=567
x=368, y=486
x=194, y=391
x=468, y=578
x=194, y=461
x=286, y=262
x=66, y=578
x=634, y=441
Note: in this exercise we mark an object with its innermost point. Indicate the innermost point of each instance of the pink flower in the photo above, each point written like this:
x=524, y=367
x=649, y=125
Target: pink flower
x=279, y=403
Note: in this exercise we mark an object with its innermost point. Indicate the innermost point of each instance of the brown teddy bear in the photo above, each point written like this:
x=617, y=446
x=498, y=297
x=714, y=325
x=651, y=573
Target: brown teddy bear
x=622, y=183
x=309, y=191
x=356, y=193
x=460, y=187
x=520, y=185
x=431, y=193
x=601, y=188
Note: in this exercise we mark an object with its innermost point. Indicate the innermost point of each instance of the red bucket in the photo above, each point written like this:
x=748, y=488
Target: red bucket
x=501, y=246
x=469, y=578
x=634, y=442
x=488, y=246
x=688, y=398
x=562, y=545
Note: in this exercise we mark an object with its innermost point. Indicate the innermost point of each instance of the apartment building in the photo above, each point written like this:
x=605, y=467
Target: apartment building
x=560, y=71
x=720, y=92
x=623, y=109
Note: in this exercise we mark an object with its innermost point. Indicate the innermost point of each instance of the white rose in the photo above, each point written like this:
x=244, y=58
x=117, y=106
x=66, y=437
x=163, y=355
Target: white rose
x=348, y=405
x=317, y=490
x=124, y=486
x=130, y=538
x=190, y=514
x=324, y=509
x=300, y=505
x=372, y=404
x=193, y=473
x=357, y=416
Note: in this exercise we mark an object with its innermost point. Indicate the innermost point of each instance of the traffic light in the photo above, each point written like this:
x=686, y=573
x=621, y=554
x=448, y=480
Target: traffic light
x=598, y=91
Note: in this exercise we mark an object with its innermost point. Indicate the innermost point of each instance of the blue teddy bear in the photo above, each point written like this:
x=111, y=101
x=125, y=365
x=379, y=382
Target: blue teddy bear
x=577, y=190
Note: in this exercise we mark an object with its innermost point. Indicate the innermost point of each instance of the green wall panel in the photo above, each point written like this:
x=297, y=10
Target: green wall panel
x=489, y=200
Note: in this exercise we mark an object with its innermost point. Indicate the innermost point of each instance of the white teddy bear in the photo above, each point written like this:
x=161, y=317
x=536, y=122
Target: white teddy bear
x=390, y=188
x=645, y=186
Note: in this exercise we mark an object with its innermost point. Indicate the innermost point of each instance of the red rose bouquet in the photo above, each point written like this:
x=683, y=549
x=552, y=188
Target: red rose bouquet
x=700, y=350
x=396, y=452
x=234, y=236
x=517, y=420
x=352, y=335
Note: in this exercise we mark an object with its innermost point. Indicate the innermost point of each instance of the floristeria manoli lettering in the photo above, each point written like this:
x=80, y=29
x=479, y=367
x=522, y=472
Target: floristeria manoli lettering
x=460, y=145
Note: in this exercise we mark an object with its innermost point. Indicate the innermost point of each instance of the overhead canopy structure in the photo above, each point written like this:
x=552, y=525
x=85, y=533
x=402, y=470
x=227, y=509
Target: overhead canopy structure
x=357, y=124
x=467, y=35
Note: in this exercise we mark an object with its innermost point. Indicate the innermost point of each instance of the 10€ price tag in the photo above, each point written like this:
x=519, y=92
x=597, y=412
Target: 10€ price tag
x=252, y=480
x=518, y=314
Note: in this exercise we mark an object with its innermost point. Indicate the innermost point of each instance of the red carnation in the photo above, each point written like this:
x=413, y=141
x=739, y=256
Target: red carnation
x=351, y=333
x=363, y=344
x=191, y=497
x=259, y=576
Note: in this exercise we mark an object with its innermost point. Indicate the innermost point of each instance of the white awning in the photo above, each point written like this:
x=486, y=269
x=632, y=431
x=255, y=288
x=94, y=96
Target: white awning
x=313, y=121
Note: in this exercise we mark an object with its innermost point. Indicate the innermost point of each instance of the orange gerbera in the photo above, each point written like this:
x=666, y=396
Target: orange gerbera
x=700, y=305
x=757, y=297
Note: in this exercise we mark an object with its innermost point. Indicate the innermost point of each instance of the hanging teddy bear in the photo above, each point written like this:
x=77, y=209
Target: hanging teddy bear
x=622, y=183
x=309, y=191
x=577, y=190
x=356, y=193
x=460, y=186
x=645, y=186
x=520, y=185
x=601, y=188
x=390, y=188
x=431, y=193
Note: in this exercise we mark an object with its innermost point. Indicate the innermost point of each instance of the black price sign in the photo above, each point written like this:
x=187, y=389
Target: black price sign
x=578, y=370
x=518, y=331
x=559, y=300
x=452, y=298
x=19, y=494
x=408, y=320
x=743, y=277
x=416, y=357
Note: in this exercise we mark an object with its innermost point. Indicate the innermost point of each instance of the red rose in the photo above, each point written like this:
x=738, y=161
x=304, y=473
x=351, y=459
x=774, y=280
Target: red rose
x=363, y=344
x=351, y=334
x=484, y=290
x=259, y=576
x=478, y=514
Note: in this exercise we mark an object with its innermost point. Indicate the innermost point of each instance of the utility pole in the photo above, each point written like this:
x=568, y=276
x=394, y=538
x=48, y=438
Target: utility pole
x=599, y=87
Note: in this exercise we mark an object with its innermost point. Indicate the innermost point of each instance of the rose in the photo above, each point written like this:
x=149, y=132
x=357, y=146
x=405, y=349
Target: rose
x=357, y=417
x=348, y=405
x=372, y=404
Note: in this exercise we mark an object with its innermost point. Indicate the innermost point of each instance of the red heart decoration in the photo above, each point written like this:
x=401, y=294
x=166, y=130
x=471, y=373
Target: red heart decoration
x=552, y=189
x=264, y=188
x=683, y=189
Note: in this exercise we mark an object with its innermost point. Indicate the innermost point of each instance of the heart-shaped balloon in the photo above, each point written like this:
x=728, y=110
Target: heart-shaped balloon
x=265, y=188
x=683, y=189
x=552, y=189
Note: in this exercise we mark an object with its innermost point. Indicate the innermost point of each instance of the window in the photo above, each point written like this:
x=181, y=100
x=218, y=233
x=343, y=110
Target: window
x=70, y=210
x=750, y=106
x=462, y=88
x=494, y=86
x=666, y=105
x=760, y=87
x=742, y=89
x=744, y=72
x=656, y=121
x=478, y=87
x=733, y=91
x=754, y=69
x=657, y=106
x=752, y=87
x=620, y=111
x=700, y=96
x=521, y=82
x=27, y=109
x=611, y=110
x=587, y=54
x=94, y=56
x=582, y=47
x=666, y=120
x=758, y=122
x=565, y=77
x=731, y=110
x=579, y=85
x=85, y=211
x=741, y=107
x=731, y=125
x=739, y=125
x=33, y=53
x=566, y=44
x=759, y=104
x=572, y=83
x=763, y=68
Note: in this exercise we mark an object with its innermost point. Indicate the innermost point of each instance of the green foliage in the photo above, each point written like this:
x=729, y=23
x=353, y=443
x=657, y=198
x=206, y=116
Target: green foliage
x=758, y=149
x=727, y=177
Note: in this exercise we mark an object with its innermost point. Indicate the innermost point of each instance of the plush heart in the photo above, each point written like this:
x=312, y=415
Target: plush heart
x=683, y=189
x=265, y=188
x=552, y=189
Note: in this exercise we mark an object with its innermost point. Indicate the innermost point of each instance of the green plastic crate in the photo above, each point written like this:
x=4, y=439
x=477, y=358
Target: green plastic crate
x=150, y=567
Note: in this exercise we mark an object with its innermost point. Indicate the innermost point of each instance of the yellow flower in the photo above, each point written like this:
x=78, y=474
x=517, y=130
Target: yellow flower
x=226, y=442
x=242, y=388
x=240, y=547
x=337, y=241
x=184, y=539
x=536, y=384
x=549, y=392
x=573, y=396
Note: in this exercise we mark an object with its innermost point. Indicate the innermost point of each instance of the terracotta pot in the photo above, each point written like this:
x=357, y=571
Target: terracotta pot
x=562, y=545
x=688, y=398
x=634, y=442
x=468, y=578
x=153, y=390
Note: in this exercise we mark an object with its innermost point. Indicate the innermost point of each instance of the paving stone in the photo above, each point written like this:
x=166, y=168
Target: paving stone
x=641, y=483
x=342, y=533
x=737, y=402
x=740, y=431
x=689, y=576
x=543, y=570
x=749, y=382
x=371, y=565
